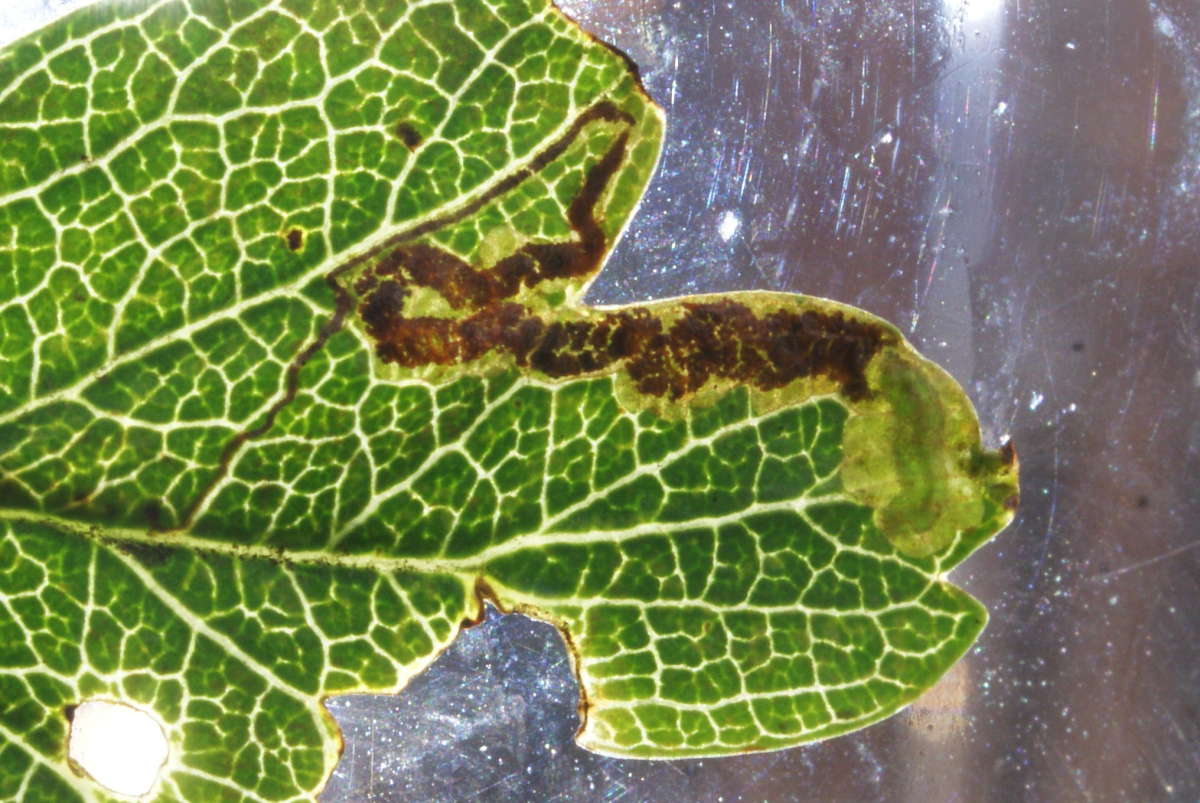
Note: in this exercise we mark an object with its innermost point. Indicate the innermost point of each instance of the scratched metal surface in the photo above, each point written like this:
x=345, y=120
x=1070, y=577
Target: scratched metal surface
x=1017, y=185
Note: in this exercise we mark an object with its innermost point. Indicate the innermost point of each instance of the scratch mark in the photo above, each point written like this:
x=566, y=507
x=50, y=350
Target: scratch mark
x=1044, y=549
x=1142, y=564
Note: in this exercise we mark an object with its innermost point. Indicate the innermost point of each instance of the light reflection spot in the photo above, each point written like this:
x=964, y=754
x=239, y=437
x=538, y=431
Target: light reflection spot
x=729, y=225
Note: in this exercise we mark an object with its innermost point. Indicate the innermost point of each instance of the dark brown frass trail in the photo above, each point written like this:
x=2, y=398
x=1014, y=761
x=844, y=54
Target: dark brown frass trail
x=463, y=286
x=718, y=339
x=715, y=340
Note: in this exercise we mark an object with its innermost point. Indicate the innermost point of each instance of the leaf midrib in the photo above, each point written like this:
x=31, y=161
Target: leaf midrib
x=473, y=565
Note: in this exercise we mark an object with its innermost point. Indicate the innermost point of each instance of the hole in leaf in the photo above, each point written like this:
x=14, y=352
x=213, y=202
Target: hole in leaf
x=120, y=747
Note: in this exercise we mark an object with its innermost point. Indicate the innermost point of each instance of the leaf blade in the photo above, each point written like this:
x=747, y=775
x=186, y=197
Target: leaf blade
x=296, y=363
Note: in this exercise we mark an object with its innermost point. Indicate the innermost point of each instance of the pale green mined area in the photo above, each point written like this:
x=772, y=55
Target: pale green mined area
x=295, y=375
x=912, y=455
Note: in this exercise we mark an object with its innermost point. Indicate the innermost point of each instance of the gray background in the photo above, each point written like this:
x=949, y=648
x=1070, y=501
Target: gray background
x=1017, y=185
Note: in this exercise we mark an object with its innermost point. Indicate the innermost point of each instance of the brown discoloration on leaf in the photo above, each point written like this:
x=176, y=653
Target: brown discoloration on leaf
x=1008, y=458
x=409, y=135
x=463, y=286
x=154, y=516
x=149, y=555
x=709, y=340
x=385, y=306
x=484, y=595
x=292, y=385
x=602, y=111
x=295, y=239
x=576, y=658
x=717, y=340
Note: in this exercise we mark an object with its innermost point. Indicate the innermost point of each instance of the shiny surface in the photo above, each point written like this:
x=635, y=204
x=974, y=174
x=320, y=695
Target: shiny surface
x=1017, y=185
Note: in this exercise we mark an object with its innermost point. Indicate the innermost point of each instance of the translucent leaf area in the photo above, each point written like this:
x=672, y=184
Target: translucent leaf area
x=296, y=375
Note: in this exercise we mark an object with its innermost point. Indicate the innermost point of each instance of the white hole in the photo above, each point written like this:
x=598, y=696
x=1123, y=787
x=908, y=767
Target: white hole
x=122, y=748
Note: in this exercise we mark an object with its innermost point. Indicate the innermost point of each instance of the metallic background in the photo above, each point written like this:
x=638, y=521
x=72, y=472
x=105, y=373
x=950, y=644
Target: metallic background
x=1016, y=183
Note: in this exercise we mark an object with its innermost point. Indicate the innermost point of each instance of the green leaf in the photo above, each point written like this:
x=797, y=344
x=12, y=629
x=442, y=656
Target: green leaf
x=297, y=375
